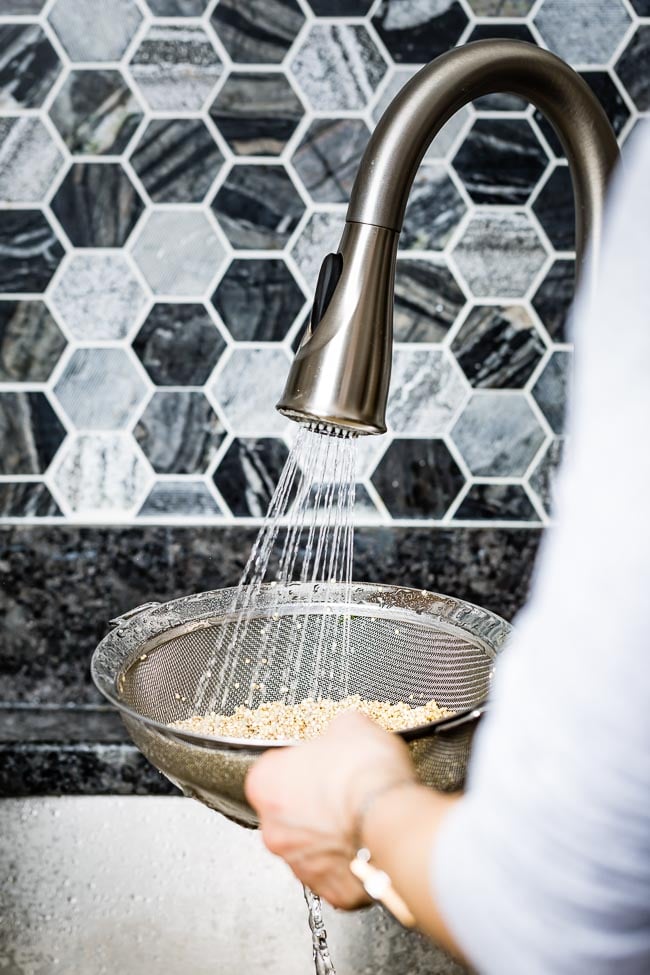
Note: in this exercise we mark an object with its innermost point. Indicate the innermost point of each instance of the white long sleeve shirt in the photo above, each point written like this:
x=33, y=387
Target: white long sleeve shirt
x=544, y=866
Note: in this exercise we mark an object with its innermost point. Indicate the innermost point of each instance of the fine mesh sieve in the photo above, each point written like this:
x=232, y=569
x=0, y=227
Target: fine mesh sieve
x=405, y=645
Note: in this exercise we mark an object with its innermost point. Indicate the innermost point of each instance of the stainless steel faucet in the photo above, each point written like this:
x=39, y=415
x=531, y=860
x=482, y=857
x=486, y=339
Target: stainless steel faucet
x=341, y=372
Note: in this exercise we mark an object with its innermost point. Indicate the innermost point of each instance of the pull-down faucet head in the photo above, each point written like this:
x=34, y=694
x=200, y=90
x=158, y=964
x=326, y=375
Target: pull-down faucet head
x=341, y=372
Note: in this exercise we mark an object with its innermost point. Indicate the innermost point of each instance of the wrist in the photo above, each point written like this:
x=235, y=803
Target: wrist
x=371, y=799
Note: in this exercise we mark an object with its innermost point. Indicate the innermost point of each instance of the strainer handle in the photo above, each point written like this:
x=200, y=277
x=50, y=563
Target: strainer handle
x=451, y=723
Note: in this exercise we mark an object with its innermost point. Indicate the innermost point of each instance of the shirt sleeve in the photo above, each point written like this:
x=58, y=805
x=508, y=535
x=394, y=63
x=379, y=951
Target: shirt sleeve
x=544, y=865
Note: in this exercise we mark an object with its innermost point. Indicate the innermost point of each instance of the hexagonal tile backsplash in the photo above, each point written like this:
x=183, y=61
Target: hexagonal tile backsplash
x=172, y=173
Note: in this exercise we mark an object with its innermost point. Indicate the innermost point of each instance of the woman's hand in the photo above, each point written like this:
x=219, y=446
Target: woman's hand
x=308, y=798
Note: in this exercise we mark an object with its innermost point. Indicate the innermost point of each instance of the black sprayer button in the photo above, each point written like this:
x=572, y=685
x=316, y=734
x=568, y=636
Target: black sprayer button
x=328, y=278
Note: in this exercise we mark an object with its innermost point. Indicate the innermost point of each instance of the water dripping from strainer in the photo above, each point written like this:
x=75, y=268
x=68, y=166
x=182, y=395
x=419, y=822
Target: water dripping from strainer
x=321, y=952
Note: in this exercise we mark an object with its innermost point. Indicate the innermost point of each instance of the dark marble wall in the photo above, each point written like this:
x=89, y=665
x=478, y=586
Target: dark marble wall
x=171, y=174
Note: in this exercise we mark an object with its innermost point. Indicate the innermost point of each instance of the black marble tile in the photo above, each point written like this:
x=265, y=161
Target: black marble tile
x=179, y=432
x=22, y=7
x=78, y=769
x=97, y=205
x=501, y=101
x=178, y=345
x=248, y=474
x=633, y=68
x=417, y=478
x=550, y=390
x=414, y=32
x=258, y=207
x=177, y=8
x=96, y=112
x=498, y=346
x=554, y=208
x=31, y=342
x=177, y=160
x=496, y=502
x=52, y=724
x=181, y=498
x=26, y=499
x=500, y=161
x=258, y=300
x=434, y=210
x=501, y=8
x=553, y=298
x=542, y=480
x=257, y=113
x=30, y=251
x=427, y=301
x=642, y=7
x=30, y=433
x=28, y=66
x=609, y=97
x=340, y=8
x=59, y=585
x=327, y=159
x=257, y=31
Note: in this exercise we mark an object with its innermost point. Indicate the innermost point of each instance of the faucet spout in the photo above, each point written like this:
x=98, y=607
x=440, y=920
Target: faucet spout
x=341, y=373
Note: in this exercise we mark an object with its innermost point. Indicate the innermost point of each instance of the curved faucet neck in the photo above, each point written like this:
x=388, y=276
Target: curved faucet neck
x=440, y=89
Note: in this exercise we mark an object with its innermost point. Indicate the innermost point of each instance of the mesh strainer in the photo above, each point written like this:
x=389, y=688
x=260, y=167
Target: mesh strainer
x=406, y=645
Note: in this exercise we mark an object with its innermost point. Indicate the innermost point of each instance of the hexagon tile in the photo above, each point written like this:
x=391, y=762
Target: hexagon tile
x=172, y=173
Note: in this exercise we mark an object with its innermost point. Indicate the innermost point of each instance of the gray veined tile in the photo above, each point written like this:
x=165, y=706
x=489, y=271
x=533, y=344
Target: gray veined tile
x=27, y=499
x=447, y=134
x=31, y=342
x=551, y=389
x=499, y=254
x=425, y=392
x=30, y=433
x=258, y=300
x=180, y=498
x=427, y=300
x=22, y=7
x=178, y=345
x=338, y=66
x=256, y=113
x=30, y=251
x=177, y=8
x=29, y=66
x=176, y=67
x=498, y=435
x=100, y=389
x=258, y=207
x=98, y=296
x=95, y=30
x=179, y=432
x=101, y=473
x=632, y=67
x=417, y=478
x=544, y=477
x=96, y=112
x=97, y=205
x=29, y=160
x=257, y=31
x=582, y=31
x=500, y=161
x=501, y=8
x=248, y=387
x=328, y=156
x=553, y=298
x=498, y=346
x=178, y=252
x=248, y=473
x=496, y=502
x=320, y=236
x=177, y=160
x=434, y=210
x=415, y=31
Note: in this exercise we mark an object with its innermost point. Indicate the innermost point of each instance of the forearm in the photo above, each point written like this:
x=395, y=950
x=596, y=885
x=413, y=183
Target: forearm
x=400, y=829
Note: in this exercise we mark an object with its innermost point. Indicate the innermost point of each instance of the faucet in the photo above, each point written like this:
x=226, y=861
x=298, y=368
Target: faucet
x=339, y=379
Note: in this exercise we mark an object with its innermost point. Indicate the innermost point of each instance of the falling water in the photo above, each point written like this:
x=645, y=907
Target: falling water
x=308, y=533
x=321, y=952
